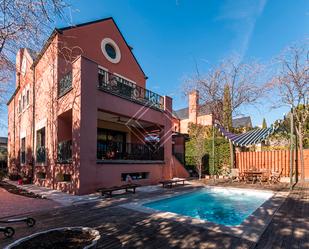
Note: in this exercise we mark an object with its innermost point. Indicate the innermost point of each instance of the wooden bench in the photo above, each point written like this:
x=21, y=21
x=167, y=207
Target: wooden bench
x=169, y=183
x=127, y=187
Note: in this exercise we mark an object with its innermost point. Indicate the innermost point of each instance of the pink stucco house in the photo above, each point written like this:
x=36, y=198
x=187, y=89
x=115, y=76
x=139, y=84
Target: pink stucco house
x=81, y=117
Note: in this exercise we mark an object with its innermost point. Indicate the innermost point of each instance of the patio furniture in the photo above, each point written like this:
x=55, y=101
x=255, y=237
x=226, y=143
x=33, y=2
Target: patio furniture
x=276, y=176
x=7, y=231
x=127, y=187
x=170, y=183
x=265, y=177
x=10, y=231
x=28, y=220
x=235, y=175
x=253, y=176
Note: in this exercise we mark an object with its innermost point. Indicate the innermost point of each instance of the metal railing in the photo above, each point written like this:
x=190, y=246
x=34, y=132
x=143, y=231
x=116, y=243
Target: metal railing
x=64, y=152
x=129, y=151
x=41, y=154
x=124, y=88
x=65, y=84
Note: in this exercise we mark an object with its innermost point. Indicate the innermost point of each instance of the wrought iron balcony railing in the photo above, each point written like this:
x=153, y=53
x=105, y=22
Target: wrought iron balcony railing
x=114, y=84
x=129, y=151
x=65, y=152
x=65, y=84
x=41, y=154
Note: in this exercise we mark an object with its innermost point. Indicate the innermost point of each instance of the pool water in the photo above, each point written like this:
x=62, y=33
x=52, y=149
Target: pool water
x=229, y=207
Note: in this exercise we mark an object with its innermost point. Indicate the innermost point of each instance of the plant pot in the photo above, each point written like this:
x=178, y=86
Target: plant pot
x=92, y=232
x=14, y=177
x=27, y=180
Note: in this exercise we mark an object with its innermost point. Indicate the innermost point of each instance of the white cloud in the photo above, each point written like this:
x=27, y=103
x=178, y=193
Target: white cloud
x=241, y=17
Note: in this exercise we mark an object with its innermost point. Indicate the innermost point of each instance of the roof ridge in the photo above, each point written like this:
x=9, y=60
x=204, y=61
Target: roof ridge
x=86, y=23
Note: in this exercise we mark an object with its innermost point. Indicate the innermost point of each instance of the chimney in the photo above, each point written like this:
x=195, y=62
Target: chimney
x=193, y=106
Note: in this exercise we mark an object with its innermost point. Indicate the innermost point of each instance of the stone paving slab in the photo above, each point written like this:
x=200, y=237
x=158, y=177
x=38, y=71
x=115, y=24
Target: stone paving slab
x=62, y=198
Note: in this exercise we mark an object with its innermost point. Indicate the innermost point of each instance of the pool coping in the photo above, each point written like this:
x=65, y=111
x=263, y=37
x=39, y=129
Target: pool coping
x=250, y=229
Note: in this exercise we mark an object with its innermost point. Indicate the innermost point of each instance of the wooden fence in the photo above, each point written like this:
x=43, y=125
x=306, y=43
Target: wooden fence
x=272, y=161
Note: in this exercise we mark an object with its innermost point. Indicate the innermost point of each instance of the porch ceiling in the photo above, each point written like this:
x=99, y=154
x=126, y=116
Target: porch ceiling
x=115, y=118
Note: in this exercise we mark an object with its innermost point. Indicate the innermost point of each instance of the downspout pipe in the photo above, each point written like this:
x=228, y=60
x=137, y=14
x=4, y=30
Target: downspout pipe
x=33, y=123
x=291, y=147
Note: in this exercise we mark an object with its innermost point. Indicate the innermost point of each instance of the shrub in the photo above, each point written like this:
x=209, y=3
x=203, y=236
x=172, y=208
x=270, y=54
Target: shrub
x=41, y=175
x=222, y=156
x=59, y=177
x=2, y=175
x=14, y=177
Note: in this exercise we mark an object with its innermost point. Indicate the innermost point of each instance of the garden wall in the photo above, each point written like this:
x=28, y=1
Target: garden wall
x=271, y=160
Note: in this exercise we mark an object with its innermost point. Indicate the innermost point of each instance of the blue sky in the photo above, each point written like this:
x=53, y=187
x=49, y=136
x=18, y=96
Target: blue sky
x=169, y=37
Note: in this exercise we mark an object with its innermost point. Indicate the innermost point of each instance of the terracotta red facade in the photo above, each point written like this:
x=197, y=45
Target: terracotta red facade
x=81, y=117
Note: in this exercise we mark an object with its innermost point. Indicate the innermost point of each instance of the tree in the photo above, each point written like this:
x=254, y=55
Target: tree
x=227, y=118
x=291, y=82
x=264, y=124
x=23, y=23
x=306, y=137
x=240, y=78
x=197, y=134
x=227, y=109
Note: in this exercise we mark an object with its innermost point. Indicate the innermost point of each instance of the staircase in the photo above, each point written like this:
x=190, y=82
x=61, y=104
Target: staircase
x=178, y=167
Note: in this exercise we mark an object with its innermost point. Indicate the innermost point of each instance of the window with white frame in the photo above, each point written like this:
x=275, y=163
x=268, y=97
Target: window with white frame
x=40, y=146
x=19, y=105
x=23, y=100
x=110, y=50
x=24, y=66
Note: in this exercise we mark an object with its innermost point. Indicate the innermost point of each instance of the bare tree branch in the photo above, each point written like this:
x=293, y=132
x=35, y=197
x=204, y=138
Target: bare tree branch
x=291, y=82
x=242, y=79
x=24, y=23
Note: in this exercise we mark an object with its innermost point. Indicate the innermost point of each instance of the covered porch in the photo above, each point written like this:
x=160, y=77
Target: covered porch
x=121, y=139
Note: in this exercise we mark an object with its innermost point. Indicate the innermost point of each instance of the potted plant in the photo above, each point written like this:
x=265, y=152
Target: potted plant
x=14, y=176
x=41, y=175
x=2, y=175
x=26, y=177
x=64, y=237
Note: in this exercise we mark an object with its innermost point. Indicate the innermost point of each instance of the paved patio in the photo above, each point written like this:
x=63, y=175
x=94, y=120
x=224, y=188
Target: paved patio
x=124, y=228
x=11, y=204
x=57, y=196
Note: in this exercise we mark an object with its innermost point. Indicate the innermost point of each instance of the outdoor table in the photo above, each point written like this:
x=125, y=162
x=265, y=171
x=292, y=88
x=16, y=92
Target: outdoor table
x=256, y=175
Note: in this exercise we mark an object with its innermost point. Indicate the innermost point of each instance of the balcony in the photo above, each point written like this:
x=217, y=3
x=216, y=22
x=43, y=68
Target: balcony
x=65, y=84
x=121, y=87
x=65, y=152
x=109, y=151
x=41, y=155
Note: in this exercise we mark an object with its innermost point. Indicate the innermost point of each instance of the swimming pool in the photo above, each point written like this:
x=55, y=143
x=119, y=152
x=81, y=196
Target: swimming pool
x=225, y=206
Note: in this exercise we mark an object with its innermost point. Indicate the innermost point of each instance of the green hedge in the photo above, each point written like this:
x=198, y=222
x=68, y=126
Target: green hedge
x=222, y=155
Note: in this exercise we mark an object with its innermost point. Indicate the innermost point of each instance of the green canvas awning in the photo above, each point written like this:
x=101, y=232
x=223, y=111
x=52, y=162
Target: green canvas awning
x=252, y=137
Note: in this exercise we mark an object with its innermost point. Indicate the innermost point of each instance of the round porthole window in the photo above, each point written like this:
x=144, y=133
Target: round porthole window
x=110, y=50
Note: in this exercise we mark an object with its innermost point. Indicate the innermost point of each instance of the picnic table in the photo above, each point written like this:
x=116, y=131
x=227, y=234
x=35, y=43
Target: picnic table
x=254, y=175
